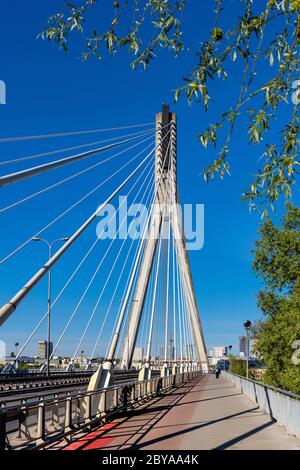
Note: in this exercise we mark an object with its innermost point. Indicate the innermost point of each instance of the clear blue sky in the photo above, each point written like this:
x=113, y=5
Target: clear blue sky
x=50, y=91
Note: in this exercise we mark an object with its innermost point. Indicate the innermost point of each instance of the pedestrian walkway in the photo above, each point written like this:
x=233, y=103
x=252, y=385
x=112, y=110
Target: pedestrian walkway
x=207, y=413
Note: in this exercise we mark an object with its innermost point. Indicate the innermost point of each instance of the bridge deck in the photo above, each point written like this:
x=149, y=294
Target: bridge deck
x=204, y=414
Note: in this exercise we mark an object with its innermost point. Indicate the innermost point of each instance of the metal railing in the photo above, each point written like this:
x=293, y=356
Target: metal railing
x=31, y=382
x=281, y=405
x=39, y=423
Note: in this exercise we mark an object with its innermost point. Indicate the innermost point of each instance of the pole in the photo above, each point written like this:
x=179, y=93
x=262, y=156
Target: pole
x=247, y=370
x=247, y=325
x=48, y=342
x=49, y=315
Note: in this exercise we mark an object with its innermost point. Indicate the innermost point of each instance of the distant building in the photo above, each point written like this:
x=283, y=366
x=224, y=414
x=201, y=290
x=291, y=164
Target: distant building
x=42, y=349
x=243, y=346
x=216, y=353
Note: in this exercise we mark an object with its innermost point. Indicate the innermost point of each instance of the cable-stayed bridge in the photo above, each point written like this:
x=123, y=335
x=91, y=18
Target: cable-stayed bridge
x=157, y=265
x=117, y=275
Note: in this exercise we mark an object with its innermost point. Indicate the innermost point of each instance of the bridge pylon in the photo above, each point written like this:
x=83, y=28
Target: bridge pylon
x=165, y=213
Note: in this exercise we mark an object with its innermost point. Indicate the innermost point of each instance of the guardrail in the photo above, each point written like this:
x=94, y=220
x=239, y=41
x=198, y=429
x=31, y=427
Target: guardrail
x=21, y=373
x=281, y=405
x=39, y=423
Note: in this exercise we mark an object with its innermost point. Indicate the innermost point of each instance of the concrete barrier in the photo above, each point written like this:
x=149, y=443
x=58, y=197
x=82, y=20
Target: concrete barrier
x=282, y=406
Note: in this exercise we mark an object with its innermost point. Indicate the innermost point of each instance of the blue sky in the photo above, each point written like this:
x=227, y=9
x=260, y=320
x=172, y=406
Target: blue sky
x=50, y=91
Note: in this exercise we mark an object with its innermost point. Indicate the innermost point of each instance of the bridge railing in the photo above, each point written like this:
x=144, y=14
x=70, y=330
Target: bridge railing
x=39, y=423
x=281, y=405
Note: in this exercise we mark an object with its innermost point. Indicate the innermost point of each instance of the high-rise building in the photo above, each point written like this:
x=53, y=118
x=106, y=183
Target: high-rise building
x=243, y=345
x=42, y=349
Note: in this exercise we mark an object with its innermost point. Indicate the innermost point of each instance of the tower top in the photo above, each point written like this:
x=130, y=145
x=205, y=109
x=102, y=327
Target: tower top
x=165, y=116
x=166, y=123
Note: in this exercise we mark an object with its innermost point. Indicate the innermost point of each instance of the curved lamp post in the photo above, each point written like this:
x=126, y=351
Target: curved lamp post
x=50, y=246
x=247, y=326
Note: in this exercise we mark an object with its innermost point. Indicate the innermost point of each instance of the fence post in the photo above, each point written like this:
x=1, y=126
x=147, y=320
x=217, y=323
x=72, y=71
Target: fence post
x=116, y=395
x=41, y=424
x=88, y=403
x=102, y=403
x=55, y=413
x=68, y=414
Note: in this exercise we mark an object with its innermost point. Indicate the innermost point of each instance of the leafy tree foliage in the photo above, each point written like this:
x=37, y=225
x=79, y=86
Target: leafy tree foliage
x=277, y=261
x=266, y=35
x=237, y=366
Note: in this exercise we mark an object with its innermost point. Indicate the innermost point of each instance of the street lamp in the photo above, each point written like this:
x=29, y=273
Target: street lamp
x=50, y=246
x=247, y=326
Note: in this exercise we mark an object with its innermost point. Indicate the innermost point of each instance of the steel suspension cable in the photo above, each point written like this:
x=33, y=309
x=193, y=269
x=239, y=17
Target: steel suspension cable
x=71, y=277
x=114, y=343
x=67, y=134
x=127, y=286
x=125, y=289
x=37, y=170
x=12, y=304
x=168, y=266
x=97, y=269
x=189, y=327
x=113, y=266
x=183, y=321
x=66, y=211
x=68, y=149
x=174, y=300
x=115, y=291
x=189, y=331
x=146, y=313
x=131, y=275
x=167, y=293
x=69, y=178
x=154, y=296
x=58, y=296
x=179, y=312
x=188, y=304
